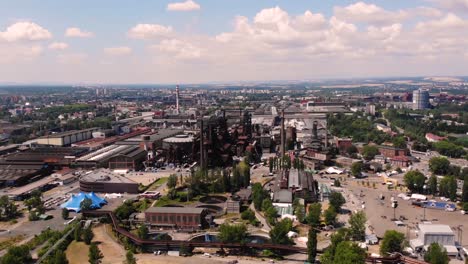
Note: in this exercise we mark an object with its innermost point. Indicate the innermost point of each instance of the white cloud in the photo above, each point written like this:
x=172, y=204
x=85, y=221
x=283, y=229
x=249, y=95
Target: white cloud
x=58, y=46
x=72, y=58
x=188, y=5
x=147, y=31
x=25, y=31
x=19, y=53
x=387, y=33
x=271, y=44
x=118, y=51
x=178, y=49
x=75, y=32
x=370, y=13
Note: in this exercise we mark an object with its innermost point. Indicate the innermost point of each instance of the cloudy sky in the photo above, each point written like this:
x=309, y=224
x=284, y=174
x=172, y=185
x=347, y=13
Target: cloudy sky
x=159, y=41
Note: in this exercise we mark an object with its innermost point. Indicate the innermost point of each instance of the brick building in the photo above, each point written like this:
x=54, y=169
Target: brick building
x=343, y=143
x=390, y=152
x=176, y=217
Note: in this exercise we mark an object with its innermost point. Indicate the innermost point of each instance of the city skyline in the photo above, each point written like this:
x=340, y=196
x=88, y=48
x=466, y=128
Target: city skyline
x=203, y=41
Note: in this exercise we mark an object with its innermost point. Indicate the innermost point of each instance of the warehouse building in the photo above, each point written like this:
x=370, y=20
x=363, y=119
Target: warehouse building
x=20, y=173
x=114, y=157
x=107, y=181
x=54, y=156
x=67, y=138
x=431, y=233
x=176, y=217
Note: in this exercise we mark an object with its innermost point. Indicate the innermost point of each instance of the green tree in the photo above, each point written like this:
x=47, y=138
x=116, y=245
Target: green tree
x=279, y=232
x=236, y=178
x=432, y=185
x=369, y=152
x=86, y=204
x=124, y=211
x=336, y=200
x=439, y=165
x=88, y=235
x=34, y=202
x=77, y=233
x=399, y=142
x=312, y=245
x=337, y=183
x=351, y=150
x=232, y=233
x=65, y=213
x=94, y=255
x=313, y=217
x=357, y=229
x=349, y=253
x=59, y=258
x=330, y=215
x=130, y=258
x=414, y=180
x=329, y=253
x=299, y=212
x=436, y=254
x=143, y=232
x=356, y=169
x=248, y=215
x=465, y=190
x=17, y=255
x=258, y=195
x=8, y=209
x=244, y=170
x=448, y=187
x=392, y=242
x=172, y=181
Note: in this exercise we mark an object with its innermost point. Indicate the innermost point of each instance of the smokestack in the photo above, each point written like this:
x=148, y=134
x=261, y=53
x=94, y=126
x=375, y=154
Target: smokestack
x=283, y=143
x=177, y=99
x=314, y=130
x=326, y=135
x=202, y=147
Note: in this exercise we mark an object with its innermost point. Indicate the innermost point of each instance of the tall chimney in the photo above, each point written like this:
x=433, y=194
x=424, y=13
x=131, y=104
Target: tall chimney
x=202, y=147
x=326, y=135
x=177, y=99
x=283, y=138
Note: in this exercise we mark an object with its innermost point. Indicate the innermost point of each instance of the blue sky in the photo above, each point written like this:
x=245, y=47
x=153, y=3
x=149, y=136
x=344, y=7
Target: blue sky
x=115, y=41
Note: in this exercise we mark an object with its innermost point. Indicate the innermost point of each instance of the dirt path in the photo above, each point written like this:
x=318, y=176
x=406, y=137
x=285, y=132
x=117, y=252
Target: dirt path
x=113, y=252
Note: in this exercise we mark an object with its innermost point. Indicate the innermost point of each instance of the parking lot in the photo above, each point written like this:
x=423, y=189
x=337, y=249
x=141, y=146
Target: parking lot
x=380, y=213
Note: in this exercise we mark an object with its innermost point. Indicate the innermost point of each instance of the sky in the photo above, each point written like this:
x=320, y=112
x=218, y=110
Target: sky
x=196, y=41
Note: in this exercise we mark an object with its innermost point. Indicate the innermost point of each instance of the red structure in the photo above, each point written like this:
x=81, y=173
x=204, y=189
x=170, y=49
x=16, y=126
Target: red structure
x=390, y=152
x=343, y=143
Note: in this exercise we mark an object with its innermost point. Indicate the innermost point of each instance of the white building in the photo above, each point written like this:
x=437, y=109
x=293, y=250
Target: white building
x=441, y=234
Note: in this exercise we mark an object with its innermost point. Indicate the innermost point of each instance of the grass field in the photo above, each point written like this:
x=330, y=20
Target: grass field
x=77, y=252
x=5, y=243
x=157, y=183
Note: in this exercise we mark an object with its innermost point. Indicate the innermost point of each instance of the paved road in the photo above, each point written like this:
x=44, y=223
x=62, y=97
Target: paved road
x=265, y=226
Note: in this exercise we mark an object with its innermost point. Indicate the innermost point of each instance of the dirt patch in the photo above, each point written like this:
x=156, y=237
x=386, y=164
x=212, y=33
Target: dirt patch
x=113, y=252
x=77, y=252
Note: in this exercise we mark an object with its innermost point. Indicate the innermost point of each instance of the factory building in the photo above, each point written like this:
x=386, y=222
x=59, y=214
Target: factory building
x=67, y=138
x=106, y=181
x=114, y=157
x=54, y=156
x=20, y=173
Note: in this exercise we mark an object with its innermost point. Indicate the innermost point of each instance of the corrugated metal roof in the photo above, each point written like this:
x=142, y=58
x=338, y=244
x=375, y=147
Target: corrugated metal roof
x=175, y=210
x=435, y=229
